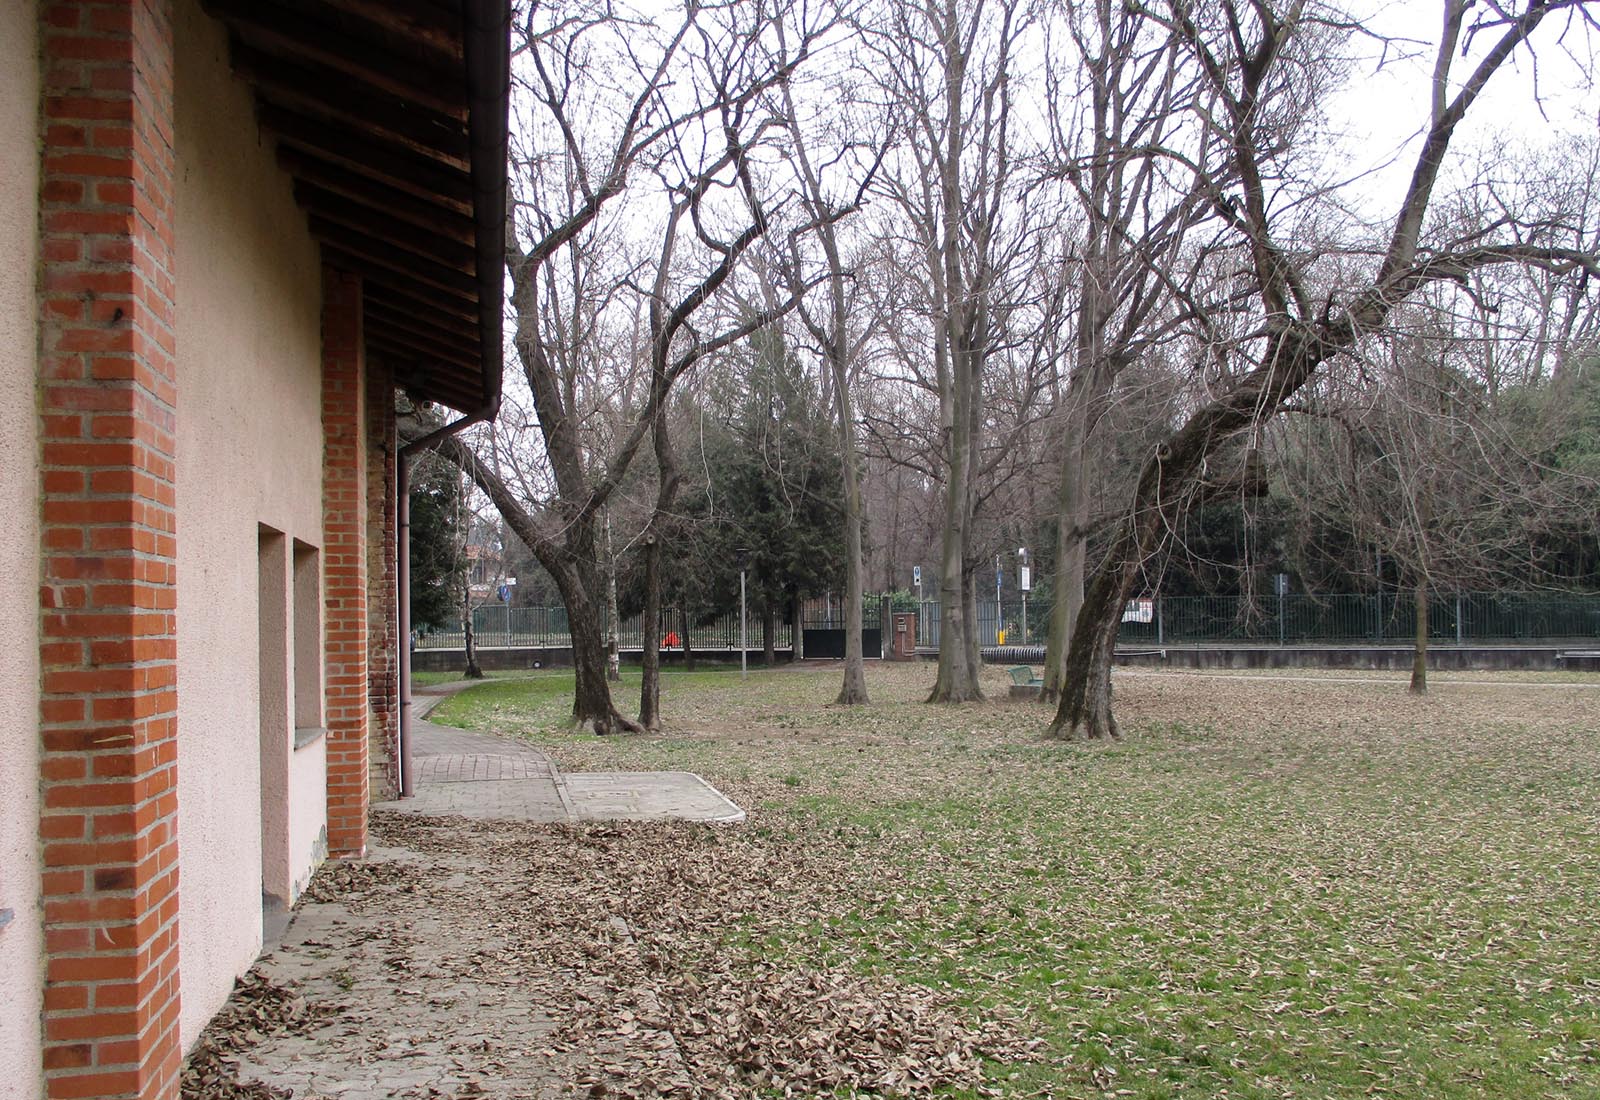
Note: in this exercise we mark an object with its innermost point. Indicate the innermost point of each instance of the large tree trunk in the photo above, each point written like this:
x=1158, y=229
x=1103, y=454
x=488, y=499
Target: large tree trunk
x=591, y=697
x=1085, y=706
x=1167, y=483
x=769, y=632
x=613, y=619
x=468, y=642
x=955, y=682
x=1072, y=517
x=666, y=494
x=1419, y=651
x=853, y=691
x=650, y=677
x=572, y=563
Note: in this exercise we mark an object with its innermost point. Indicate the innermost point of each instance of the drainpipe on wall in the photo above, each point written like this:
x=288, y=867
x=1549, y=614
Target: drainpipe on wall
x=486, y=44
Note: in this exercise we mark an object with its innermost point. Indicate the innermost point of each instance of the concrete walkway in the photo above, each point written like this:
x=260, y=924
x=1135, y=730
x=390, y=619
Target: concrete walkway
x=489, y=778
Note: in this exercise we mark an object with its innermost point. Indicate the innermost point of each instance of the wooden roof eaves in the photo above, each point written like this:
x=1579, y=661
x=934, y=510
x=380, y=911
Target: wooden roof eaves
x=392, y=116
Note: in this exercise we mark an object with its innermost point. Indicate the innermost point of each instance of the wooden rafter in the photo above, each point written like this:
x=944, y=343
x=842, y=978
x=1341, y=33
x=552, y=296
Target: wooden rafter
x=372, y=157
x=302, y=87
x=358, y=49
x=376, y=225
x=402, y=205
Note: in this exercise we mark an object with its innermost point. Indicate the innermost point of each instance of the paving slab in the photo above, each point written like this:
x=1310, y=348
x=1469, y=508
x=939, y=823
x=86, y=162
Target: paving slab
x=490, y=778
x=647, y=796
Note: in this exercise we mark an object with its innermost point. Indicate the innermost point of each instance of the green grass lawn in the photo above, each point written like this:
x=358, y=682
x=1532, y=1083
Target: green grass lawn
x=1269, y=888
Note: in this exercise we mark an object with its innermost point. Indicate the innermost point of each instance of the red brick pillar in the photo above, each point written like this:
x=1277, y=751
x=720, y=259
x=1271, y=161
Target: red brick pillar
x=383, y=626
x=344, y=557
x=108, y=650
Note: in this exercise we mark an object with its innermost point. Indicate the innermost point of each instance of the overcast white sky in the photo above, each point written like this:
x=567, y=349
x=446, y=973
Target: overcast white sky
x=1382, y=110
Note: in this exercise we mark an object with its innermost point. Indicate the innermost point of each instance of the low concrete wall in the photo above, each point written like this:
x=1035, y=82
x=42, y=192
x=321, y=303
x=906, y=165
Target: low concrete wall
x=1396, y=658
x=512, y=658
x=1483, y=657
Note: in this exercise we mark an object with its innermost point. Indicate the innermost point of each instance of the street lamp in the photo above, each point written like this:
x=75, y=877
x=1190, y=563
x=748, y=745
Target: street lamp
x=742, y=556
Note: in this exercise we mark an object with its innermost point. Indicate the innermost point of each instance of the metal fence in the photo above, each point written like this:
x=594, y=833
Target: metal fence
x=497, y=626
x=1389, y=618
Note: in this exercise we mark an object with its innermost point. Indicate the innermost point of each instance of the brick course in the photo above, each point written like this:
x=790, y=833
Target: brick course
x=344, y=557
x=383, y=627
x=108, y=592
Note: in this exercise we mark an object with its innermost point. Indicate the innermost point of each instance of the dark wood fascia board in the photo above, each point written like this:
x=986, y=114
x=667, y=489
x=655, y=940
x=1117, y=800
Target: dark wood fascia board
x=351, y=46
x=361, y=152
x=321, y=93
x=372, y=223
x=314, y=170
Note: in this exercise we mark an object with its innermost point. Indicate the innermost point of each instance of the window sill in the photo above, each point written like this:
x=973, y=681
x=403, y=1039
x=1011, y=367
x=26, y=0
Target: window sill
x=308, y=735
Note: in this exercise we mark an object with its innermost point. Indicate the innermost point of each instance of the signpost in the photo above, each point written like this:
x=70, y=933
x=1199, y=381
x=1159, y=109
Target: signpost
x=1025, y=585
x=999, y=614
x=1281, y=583
x=743, y=556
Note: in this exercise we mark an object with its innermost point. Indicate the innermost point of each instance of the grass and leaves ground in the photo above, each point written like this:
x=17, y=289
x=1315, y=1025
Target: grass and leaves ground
x=1307, y=887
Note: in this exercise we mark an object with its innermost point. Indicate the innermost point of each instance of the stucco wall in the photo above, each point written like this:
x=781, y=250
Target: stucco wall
x=20, y=940
x=249, y=453
x=308, y=813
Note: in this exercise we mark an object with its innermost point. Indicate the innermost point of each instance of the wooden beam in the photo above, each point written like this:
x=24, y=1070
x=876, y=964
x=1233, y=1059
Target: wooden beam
x=439, y=299
x=354, y=242
x=373, y=223
x=460, y=388
x=463, y=331
x=422, y=327
x=420, y=301
x=361, y=152
x=438, y=25
x=350, y=46
x=432, y=343
x=303, y=88
x=402, y=205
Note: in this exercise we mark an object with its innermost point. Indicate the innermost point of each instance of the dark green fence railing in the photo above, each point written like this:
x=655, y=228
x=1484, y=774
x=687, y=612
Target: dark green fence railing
x=1347, y=619
x=1344, y=619
x=498, y=626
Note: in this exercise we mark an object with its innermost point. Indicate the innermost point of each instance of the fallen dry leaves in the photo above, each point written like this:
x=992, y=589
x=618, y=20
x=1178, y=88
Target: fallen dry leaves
x=1270, y=888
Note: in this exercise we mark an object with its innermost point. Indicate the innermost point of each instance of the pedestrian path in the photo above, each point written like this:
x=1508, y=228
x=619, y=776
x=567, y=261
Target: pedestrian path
x=490, y=778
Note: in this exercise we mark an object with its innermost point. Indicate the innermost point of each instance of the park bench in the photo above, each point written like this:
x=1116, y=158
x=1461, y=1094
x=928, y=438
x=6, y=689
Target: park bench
x=1024, y=682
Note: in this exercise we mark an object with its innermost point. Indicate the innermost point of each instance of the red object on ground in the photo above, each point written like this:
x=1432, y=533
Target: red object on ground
x=671, y=639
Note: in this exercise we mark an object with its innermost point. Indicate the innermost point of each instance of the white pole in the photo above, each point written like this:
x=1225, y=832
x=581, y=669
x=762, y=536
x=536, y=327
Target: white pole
x=999, y=616
x=743, y=654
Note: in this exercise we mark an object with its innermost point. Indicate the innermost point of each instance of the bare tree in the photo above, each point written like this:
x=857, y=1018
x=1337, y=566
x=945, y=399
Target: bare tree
x=1264, y=65
x=831, y=190
x=947, y=68
x=611, y=102
x=1121, y=98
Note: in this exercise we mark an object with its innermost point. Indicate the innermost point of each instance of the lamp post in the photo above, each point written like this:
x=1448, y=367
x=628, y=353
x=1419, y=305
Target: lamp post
x=742, y=556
